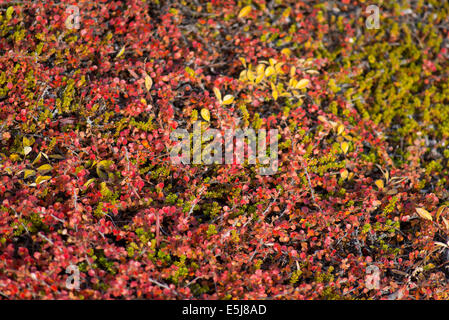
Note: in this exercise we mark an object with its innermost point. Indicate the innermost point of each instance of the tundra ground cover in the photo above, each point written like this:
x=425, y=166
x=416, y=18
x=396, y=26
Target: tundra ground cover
x=88, y=103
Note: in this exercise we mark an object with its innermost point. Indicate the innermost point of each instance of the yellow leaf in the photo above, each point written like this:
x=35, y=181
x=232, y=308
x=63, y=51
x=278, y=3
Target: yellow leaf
x=292, y=72
x=205, y=114
x=101, y=166
x=260, y=78
x=286, y=12
x=148, y=82
x=322, y=119
x=190, y=72
x=439, y=212
x=44, y=168
x=278, y=67
x=344, y=174
x=243, y=61
x=101, y=173
x=217, y=93
x=302, y=83
x=243, y=76
x=344, y=147
x=260, y=68
x=244, y=12
x=42, y=179
x=423, y=213
x=104, y=164
x=274, y=91
x=286, y=51
x=56, y=156
x=121, y=52
x=228, y=99
x=275, y=94
x=89, y=182
x=379, y=183
x=292, y=83
x=269, y=71
x=194, y=116
x=38, y=158
x=340, y=129
x=14, y=157
x=26, y=142
x=28, y=173
x=9, y=13
x=250, y=75
x=104, y=189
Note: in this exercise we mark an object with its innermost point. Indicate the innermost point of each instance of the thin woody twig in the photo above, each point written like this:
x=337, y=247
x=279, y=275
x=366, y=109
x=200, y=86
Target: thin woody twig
x=162, y=285
x=195, y=202
x=310, y=187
